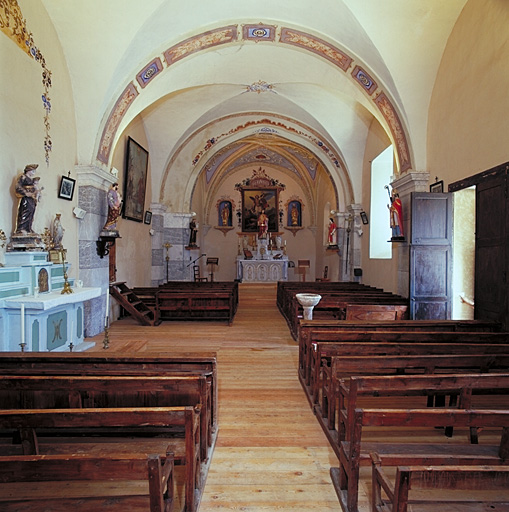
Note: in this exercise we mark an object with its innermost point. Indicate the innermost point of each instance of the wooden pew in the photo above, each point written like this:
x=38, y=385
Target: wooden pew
x=347, y=366
x=356, y=391
x=473, y=481
x=194, y=305
x=43, y=392
x=334, y=305
x=59, y=472
x=322, y=354
x=330, y=330
x=430, y=450
x=392, y=336
x=149, y=294
x=122, y=423
x=84, y=363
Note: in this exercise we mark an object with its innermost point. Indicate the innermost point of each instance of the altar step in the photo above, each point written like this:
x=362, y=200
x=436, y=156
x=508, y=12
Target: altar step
x=132, y=303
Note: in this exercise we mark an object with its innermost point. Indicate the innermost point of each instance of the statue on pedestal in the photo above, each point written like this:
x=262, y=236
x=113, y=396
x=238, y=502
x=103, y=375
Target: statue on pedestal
x=57, y=232
x=396, y=215
x=114, y=208
x=263, y=225
x=28, y=190
x=193, y=226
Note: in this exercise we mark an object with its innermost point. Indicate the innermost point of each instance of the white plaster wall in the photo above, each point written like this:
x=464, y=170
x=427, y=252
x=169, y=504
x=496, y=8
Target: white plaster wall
x=468, y=122
x=22, y=128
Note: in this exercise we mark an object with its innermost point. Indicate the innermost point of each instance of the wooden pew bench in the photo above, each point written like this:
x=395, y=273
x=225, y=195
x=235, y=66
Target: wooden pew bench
x=392, y=336
x=60, y=392
x=323, y=352
x=439, y=487
x=141, y=483
x=83, y=363
x=195, y=305
x=385, y=306
x=431, y=448
x=343, y=367
x=331, y=330
x=112, y=431
x=392, y=391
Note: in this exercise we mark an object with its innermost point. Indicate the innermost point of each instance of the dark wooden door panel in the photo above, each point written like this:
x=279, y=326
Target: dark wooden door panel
x=431, y=256
x=491, y=249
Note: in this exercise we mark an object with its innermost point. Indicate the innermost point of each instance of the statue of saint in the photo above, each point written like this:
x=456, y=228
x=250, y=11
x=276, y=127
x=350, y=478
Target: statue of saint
x=193, y=226
x=294, y=213
x=29, y=193
x=331, y=237
x=263, y=225
x=396, y=215
x=225, y=214
x=57, y=233
x=114, y=208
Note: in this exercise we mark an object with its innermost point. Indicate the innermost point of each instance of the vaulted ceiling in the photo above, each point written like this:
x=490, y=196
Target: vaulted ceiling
x=227, y=80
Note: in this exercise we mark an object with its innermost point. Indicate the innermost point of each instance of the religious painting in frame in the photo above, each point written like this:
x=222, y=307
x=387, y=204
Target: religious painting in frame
x=135, y=181
x=66, y=189
x=254, y=200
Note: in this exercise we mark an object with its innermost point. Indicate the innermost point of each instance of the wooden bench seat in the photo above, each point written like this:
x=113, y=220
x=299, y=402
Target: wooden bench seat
x=476, y=484
x=331, y=330
x=125, y=427
x=357, y=391
x=375, y=305
x=431, y=450
x=322, y=354
x=83, y=363
x=43, y=392
x=155, y=493
x=195, y=304
x=392, y=336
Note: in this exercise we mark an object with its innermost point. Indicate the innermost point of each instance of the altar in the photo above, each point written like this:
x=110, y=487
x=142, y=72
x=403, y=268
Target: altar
x=263, y=263
x=34, y=311
x=262, y=270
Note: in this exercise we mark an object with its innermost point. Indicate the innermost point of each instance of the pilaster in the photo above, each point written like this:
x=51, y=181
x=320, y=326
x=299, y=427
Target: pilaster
x=412, y=181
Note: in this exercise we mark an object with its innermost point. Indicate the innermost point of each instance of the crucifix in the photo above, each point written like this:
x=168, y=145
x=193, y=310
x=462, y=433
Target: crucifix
x=167, y=245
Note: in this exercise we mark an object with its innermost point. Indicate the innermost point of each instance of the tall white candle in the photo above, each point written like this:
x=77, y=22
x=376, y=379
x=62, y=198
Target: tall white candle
x=22, y=314
x=107, y=308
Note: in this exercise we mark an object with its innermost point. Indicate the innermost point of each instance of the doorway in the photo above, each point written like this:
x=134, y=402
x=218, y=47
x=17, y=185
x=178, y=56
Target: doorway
x=463, y=282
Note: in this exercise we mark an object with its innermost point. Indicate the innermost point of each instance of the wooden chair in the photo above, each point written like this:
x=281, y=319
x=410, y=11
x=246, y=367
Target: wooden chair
x=196, y=273
x=325, y=275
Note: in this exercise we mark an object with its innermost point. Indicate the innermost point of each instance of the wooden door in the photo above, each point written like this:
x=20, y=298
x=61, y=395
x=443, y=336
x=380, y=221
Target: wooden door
x=431, y=256
x=491, y=249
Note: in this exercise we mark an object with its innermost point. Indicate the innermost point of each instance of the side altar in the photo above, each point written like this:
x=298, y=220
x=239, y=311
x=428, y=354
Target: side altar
x=263, y=264
x=34, y=313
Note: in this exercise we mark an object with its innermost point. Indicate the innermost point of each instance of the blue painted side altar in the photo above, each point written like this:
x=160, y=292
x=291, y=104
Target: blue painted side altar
x=33, y=309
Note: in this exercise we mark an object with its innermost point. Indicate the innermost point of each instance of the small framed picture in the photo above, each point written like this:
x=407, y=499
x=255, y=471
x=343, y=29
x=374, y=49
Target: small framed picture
x=66, y=189
x=148, y=217
x=437, y=187
x=364, y=218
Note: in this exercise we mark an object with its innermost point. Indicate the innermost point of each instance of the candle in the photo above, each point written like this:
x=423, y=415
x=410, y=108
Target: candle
x=107, y=308
x=22, y=314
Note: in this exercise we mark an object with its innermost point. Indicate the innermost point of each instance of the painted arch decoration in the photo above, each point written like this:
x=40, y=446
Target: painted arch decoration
x=230, y=35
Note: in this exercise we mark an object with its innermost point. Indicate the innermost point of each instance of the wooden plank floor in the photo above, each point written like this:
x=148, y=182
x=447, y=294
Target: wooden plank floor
x=271, y=454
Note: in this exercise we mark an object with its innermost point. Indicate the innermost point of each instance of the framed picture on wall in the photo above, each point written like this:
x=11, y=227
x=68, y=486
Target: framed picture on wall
x=66, y=189
x=437, y=187
x=253, y=202
x=135, y=181
x=148, y=217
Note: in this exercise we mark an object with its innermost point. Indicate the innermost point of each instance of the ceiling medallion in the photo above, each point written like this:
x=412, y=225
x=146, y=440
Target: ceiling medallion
x=259, y=87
